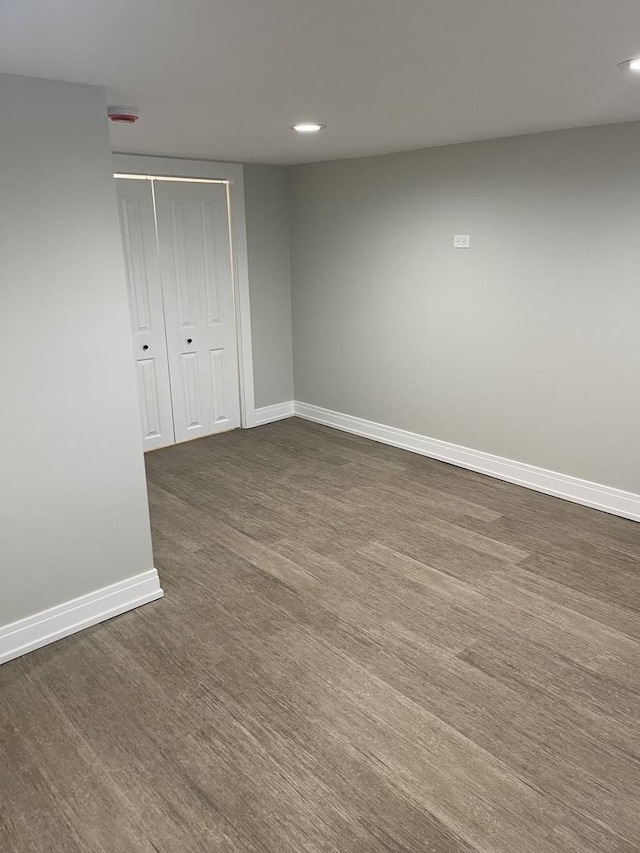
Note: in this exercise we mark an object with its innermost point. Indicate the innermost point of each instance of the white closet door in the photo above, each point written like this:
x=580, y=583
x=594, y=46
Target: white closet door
x=135, y=201
x=197, y=286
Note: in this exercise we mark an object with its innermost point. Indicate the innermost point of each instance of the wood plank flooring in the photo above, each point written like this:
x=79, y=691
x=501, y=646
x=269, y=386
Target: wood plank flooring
x=360, y=650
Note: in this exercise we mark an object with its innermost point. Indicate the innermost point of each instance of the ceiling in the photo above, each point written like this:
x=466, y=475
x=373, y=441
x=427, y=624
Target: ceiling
x=224, y=79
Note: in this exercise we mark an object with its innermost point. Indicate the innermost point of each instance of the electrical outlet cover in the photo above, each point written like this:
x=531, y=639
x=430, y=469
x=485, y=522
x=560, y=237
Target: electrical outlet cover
x=461, y=241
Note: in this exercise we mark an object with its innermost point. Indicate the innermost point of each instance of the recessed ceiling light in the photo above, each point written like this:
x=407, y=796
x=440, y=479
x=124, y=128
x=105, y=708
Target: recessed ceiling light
x=307, y=127
x=630, y=64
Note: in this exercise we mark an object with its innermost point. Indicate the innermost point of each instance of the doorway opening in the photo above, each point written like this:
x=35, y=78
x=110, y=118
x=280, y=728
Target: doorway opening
x=191, y=336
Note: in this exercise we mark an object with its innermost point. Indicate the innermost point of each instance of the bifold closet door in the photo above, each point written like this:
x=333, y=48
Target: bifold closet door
x=197, y=286
x=137, y=222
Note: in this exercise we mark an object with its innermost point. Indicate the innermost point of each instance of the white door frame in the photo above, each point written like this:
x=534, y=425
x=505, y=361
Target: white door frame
x=233, y=175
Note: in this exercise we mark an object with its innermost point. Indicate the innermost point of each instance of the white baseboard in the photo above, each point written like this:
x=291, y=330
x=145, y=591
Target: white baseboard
x=45, y=627
x=277, y=412
x=605, y=498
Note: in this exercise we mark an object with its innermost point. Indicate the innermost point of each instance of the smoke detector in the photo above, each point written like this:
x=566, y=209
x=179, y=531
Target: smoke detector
x=123, y=115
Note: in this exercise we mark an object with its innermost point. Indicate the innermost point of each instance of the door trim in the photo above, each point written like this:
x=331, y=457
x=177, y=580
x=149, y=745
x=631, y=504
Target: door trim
x=233, y=175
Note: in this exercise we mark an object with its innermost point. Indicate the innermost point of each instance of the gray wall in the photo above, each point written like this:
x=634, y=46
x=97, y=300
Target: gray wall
x=73, y=508
x=527, y=345
x=267, y=212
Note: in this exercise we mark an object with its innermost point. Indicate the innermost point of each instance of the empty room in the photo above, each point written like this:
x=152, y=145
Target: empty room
x=320, y=426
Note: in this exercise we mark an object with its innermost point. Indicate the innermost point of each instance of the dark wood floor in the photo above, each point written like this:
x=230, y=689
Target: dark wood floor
x=359, y=650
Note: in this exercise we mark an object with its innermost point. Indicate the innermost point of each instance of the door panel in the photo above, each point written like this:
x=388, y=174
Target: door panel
x=148, y=390
x=218, y=368
x=135, y=201
x=197, y=286
x=194, y=417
